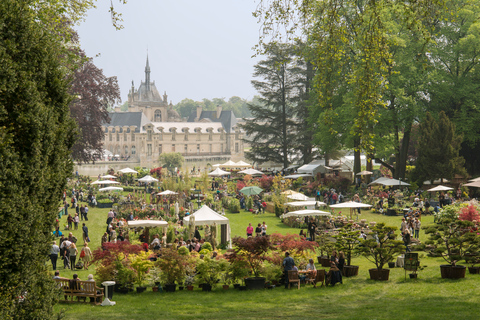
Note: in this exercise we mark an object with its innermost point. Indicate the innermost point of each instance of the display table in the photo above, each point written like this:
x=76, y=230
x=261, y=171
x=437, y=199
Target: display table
x=108, y=286
x=400, y=261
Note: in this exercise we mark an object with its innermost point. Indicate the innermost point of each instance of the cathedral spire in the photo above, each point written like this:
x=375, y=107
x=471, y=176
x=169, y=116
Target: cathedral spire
x=147, y=75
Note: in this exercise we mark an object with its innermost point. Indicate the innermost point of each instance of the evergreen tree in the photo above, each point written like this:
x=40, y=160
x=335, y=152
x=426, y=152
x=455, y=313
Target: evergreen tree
x=36, y=134
x=271, y=130
x=438, y=149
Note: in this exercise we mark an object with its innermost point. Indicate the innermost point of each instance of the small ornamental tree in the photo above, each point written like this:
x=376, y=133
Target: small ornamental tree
x=469, y=213
x=381, y=249
x=156, y=172
x=173, y=266
x=452, y=239
x=141, y=264
x=347, y=240
x=253, y=250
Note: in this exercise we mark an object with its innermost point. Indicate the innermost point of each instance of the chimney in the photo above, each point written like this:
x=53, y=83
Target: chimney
x=219, y=111
x=199, y=112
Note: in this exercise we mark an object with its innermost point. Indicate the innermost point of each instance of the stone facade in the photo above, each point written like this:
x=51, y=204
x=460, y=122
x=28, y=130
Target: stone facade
x=151, y=126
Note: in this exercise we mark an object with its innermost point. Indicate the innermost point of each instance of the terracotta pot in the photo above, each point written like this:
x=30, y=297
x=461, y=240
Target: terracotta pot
x=190, y=288
x=225, y=287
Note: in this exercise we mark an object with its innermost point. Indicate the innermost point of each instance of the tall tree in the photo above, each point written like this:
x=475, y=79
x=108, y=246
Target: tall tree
x=438, y=149
x=271, y=127
x=36, y=134
x=171, y=161
x=94, y=93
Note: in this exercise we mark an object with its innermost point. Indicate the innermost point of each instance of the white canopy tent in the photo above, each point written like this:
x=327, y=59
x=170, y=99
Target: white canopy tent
x=148, y=179
x=388, y=182
x=166, y=193
x=147, y=223
x=298, y=175
x=229, y=164
x=440, y=188
x=105, y=182
x=351, y=205
x=307, y=204
x=108, y=176
x=242, y=164
x=299, y=196
x=307, y=212
x=251, y=172
x=111, y=189
x=127, y=170
x=206, y=216
x=218, y=173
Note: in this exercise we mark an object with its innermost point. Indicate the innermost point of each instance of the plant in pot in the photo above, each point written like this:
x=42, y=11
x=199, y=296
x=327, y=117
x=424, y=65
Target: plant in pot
x=254, y=251
x=154, y=278
x=347, y=241
x=452, y=239
x=125, y=275
x=273, y=272
x=208, y=272
x=413, y=265
x=381, y=249
x=173, y=266
x=473, y=258
x=236, y=270
x=325, y=246
x=141, y=264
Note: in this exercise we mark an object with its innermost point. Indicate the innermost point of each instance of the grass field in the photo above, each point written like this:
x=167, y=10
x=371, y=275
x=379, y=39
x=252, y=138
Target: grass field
x=428, y=297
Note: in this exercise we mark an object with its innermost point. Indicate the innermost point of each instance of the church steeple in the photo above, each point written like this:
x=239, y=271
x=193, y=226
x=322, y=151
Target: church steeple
x=147, y=75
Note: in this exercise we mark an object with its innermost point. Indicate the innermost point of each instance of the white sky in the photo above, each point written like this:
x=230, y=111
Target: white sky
x=197, y=49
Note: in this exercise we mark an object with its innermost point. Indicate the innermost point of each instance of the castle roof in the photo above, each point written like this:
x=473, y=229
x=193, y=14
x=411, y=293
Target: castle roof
x=227, y=118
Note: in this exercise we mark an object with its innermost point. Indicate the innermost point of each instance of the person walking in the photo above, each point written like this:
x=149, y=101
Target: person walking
x=54, y=254
x=85, y=233
x=86, y=255
x=85, y=209
x=76, y=220
x=288, y=264
x=73, y=255
x=312, y=227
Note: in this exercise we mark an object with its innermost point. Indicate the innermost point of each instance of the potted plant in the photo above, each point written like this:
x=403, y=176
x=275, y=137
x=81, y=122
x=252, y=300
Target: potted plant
x=209, y=271
x=272, y=272
x=141, y=264
x=325, y=245
x=154, y=276
x=347, y=240
x=452, y=239
x=473, y=259
x=173, y=266
x=236, y=270
x=254, y=251
x=381, y=249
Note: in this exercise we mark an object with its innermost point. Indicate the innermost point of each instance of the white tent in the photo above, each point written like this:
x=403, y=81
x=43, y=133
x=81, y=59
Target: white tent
x=206, y=216
x=298, y=175
x=251, y=172
x=436, y=181
x=308, y=204
x=299, y=196
x=378, y=181
x=218, y=173
x=166, y=193
x=350, y=204
x=473, y=180
x=302, y=213
x=111, y=189
x=440, y=188
x=242, y=164
x=127, y=170
x=388, y=182
x=105, y=182
x=313, y=168
x=108, y=176
x=229, y=164
x=147, y=223
x=148, y=179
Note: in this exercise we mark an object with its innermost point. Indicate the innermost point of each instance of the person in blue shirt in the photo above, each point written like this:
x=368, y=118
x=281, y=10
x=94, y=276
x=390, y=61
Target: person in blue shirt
x=288, y=264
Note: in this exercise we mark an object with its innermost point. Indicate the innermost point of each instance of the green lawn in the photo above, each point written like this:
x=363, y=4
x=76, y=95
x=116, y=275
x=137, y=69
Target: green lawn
x=428, y=297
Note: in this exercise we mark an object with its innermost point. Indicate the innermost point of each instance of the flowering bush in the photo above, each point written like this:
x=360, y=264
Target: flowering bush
x=240, y=185
x=469, y=213
x=266, y=182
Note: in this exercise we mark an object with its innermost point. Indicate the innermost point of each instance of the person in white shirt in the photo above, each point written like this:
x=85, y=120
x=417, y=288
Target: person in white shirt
x=54, y=254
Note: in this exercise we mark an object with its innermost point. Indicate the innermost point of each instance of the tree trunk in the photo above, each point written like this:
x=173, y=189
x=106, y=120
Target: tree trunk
x=401, y=164
x=357, y=164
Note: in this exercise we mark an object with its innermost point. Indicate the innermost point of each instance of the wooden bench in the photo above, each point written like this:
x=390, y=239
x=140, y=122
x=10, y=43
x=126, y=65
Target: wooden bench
x=319, y=278
x=82, y=290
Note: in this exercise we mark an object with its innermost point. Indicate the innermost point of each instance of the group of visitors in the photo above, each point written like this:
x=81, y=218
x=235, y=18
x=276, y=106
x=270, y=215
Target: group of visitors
x=260, y=230
x=68, y=252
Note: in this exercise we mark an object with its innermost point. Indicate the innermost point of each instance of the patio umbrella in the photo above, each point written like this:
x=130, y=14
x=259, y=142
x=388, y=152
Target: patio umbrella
x=474, y=180
x=148, y=179
x=229, y=163
x=127, y=170
x=248, y=191
x=250, y=171
x=111, y=189
x=108, y=176
x=475, y=184
x=440, y=188
x=364, y=173
x=242, y=164
x=218, y=173
x=298, y=196
x=307, y=212
x=351, y=205
x=166, y=193
x=105, y=182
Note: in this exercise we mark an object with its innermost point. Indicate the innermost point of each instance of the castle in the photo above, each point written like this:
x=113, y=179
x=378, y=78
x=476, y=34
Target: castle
x=151, y=126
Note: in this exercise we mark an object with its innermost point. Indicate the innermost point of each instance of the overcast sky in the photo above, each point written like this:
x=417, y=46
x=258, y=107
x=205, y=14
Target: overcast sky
x=197, y=49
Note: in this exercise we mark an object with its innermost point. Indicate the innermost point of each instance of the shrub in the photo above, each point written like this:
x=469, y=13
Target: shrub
x=234, y=206
x=469, y=213
x=207, y=246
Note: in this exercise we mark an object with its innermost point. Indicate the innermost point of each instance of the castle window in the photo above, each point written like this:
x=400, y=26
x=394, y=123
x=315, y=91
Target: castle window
x=158, y=116
x=126, y=149
x=236, y=147
x=133, y=150
x=173, y=148
x=149, y=135
x=149, y=149
x=110, y=136
x=133, y=136
x=159, y=149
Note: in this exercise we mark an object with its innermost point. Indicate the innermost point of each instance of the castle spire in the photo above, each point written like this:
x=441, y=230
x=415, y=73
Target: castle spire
x=147, y=75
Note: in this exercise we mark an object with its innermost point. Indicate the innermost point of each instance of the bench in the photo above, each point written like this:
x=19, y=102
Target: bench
x=83, y=290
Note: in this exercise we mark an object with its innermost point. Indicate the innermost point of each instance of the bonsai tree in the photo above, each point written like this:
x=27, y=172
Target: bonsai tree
x=382, y=248
x=347, y=240
x=253, y=250
x=209, y=270
x=173, y=266
x=141, y=264
x=325, y=245
x=452, y=239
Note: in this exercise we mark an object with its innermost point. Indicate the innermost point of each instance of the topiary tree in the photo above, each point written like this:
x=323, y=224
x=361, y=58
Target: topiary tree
x=347, y=241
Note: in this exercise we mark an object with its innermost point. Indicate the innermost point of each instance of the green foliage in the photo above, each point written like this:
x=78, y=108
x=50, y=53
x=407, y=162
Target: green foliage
x=452, y=239
x=173, y=266
x=170, y=234
x=36, y=134
x=347, y=241
x=141, y=264
x=382, y=248
x=234, y=206
x=209, y=270
x=207, y=246
x=171, y=161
